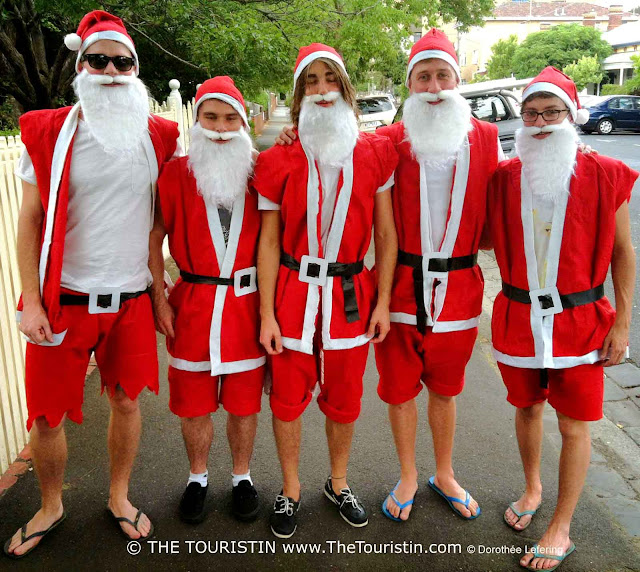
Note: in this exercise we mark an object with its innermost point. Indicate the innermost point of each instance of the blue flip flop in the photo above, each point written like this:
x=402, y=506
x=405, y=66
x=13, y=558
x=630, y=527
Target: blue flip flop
x=519, y=514
x=560, y=559
x=451, y=500
x=400, y=505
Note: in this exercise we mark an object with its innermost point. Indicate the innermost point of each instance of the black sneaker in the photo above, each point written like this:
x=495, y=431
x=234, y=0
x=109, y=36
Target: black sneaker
x=348, y=505
x=192, y=503
x=283, y=519
x=244, y=501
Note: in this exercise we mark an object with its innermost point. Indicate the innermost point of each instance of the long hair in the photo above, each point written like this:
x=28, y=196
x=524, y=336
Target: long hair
x=346, y=88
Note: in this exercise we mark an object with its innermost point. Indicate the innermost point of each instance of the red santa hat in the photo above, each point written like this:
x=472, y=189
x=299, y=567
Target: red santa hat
x=434, y=44
x=99, y=25
x=552, y=80
x=222, y=88
x=312, y=52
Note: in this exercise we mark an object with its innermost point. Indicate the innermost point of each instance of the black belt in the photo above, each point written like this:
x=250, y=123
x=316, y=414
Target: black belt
x=103, y=301
x=546, y=302
x=199, y=279
x=343, y=269
x=435, y=265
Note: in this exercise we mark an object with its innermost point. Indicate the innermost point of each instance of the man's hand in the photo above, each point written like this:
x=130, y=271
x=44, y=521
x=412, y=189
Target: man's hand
x=380, y=324
x=34, y=324
x=270, y=336
x=164, y=316
x=615, y=345
x=586, y=149
x=287, y=136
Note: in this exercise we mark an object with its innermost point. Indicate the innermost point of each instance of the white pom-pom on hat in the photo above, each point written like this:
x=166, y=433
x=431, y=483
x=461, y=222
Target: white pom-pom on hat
x=582, y=116
x=73, y=42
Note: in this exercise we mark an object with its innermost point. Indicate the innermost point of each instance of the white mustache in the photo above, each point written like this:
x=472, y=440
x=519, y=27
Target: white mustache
x=108, y=79
x=330, y=96
x=432, y=97
x=220, y=135
x=532, y=130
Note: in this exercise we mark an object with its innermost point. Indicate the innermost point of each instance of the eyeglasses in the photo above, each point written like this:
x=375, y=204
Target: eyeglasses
x=101, y=61
x=530, y=116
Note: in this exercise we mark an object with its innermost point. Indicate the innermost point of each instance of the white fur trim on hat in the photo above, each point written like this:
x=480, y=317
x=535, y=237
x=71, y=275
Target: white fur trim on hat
x=232, y=101
x=314, y=56
x=73, y=42
x=582, y=116
x=108, y=35
x=558, y=92
x=428, y=54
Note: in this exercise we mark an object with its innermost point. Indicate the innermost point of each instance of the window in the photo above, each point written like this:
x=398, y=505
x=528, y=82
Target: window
x=474, y=57
x=491, y=108
x=417, y=36
x=463, y=59
x=374, y=105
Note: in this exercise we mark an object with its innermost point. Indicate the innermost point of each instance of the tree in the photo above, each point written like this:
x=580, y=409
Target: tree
x=501, y=63
x=559, y=46
x=254, y=41
x=586, y=70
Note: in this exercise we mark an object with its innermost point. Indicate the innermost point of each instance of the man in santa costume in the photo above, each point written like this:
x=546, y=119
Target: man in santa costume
x=89, y=174
x=558, y=218
x=211, y=319
x=320, y=197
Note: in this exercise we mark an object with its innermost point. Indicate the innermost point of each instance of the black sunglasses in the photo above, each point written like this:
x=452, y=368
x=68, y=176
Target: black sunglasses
x=100, y=61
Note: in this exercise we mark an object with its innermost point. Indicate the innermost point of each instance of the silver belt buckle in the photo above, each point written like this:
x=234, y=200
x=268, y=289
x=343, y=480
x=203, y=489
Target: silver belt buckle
x=537, y=297
x=101, y=291
x=242, y=286
x=318, y=268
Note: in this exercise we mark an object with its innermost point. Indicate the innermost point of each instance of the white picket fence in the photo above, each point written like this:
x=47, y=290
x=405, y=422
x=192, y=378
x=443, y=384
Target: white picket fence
x=13, y=410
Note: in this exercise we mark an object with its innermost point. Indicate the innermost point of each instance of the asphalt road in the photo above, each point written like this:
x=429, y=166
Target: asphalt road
x=626, y=147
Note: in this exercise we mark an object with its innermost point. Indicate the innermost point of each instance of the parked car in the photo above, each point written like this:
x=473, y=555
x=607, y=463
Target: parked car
x=375, y=111
x=615, y=112
x=499, y=106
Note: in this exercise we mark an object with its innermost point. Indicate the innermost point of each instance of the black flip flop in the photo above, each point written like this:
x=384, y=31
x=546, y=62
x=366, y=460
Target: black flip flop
x=24, y=538
x=119, y=519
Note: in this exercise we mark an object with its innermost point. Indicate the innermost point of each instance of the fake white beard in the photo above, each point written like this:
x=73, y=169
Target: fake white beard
x=328, y=133
x=547, y=164
x=437, y=132
x=118, y=117
x=221, y=170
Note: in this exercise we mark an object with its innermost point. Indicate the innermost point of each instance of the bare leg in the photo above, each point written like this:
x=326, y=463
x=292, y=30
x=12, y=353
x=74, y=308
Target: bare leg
x=404, y=421
x=287, y=434
x=529, y=431
x=241, y=432
x=339, y=437
x=49, y=449
x=125, y=427
x=442, y=420
x=575, y=457
x=197, y=433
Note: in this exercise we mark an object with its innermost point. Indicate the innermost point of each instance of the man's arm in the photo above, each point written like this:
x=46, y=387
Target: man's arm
x=162, y=311
x=623, y=272
x=386, y=245
x=34, y=323
x=268, y=265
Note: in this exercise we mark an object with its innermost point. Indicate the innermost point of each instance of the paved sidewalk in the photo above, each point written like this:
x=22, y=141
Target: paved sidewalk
x=279, y=118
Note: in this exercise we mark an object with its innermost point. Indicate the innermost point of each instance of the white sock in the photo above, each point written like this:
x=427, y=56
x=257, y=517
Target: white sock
x=200, y=478
x=237, y=478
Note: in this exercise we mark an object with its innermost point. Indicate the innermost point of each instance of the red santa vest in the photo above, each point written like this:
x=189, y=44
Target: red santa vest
x=217, y=327
x=453, y=301
x=289, y=177
x=579, y=254
x=48, y=136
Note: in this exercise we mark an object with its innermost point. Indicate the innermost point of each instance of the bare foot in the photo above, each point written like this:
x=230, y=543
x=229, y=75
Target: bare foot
x=126, y=509
x=552, y=544
x=451, y=488
x=405, y=491
x=528, y=501
x=41, y=521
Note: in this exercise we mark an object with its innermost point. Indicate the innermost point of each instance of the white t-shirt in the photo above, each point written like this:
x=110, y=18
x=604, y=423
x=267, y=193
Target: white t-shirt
x=542, y=208
x=108, y=218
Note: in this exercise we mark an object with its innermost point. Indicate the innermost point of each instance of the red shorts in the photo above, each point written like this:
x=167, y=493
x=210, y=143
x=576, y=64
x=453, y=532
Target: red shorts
x=576, y=392
x=197, y=393
x=339, y=372
x=125, y=348
x=406, y=357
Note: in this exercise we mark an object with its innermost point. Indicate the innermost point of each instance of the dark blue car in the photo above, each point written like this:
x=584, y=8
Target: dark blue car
x=615, y=112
